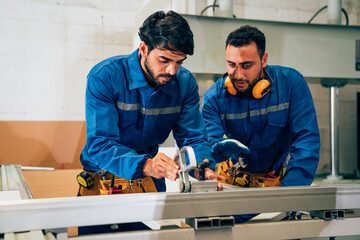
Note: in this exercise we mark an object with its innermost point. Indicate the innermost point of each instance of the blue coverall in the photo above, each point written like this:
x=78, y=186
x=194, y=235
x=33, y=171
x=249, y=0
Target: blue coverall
x=280, y=123
x=126, y=118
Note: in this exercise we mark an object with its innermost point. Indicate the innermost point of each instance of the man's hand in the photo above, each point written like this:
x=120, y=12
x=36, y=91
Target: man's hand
x=210, y=175
x=223, y=150
x=161, y=166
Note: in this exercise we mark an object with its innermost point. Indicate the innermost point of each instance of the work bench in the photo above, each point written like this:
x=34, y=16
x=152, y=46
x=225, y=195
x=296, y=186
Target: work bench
x=335, y=211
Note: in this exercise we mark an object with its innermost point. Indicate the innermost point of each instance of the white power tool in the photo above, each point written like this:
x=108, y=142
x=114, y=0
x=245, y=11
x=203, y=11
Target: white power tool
x=185, y=184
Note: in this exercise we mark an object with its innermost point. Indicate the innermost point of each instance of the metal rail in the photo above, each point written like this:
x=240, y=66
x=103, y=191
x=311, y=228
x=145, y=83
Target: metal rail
x=13, y=179
x=262, y=230
x=82, y=211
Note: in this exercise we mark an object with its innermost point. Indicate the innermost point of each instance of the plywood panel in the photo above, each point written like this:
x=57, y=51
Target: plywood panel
x=52, y=184
x=55, y=144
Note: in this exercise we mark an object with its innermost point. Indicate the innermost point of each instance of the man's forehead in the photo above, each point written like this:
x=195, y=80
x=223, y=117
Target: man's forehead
x=168, y=54
x=243, y=53
x=248, y=47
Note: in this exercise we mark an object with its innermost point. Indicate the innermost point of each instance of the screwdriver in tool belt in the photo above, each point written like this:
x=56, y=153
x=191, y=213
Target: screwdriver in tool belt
x=114, y=190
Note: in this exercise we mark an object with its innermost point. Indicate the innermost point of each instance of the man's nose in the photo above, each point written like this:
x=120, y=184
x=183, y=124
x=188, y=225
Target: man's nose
x=171, y=69
x=238, y=73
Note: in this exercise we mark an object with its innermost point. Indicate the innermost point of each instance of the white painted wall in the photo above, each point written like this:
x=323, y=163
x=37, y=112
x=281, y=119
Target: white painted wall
x=47, y=47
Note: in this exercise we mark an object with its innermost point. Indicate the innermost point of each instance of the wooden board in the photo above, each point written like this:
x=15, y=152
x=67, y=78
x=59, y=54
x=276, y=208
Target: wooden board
x=55, y=144
x=52, y=184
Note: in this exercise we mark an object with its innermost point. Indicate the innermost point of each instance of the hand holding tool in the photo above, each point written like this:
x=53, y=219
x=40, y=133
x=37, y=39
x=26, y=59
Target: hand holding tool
x=227, y=148
x=160, y=166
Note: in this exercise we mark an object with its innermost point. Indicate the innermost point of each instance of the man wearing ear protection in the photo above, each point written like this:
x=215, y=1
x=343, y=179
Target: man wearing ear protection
x=269, y=113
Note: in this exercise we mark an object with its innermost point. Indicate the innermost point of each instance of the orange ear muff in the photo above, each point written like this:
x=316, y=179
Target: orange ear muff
x=229, y=86
x=261, y=88
x=258, y=91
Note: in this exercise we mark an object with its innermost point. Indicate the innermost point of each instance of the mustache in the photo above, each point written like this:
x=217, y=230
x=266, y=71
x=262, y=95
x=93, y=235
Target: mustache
x=240, y=80
x=165, y=75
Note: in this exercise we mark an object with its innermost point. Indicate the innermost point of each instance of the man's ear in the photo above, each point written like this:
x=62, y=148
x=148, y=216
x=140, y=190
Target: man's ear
x=264, y=60
x=143, y=49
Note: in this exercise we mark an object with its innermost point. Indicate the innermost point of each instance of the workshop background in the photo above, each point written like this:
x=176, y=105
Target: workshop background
x=47, y=47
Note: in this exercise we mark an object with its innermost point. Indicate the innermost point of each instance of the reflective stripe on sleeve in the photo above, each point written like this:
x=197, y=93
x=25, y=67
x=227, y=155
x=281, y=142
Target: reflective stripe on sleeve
x=149, y=111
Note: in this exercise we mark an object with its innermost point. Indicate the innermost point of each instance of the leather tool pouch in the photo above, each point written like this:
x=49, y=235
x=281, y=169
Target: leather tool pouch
x=221, y=169
x=266, y=180
x=129, y=186
x=101, y=187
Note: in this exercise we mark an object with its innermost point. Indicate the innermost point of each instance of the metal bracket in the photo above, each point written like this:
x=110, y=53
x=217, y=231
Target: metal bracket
x=328, y=214
x=210, y=222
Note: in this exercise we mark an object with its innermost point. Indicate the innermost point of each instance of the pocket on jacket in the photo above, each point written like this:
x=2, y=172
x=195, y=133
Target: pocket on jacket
x=278, y=118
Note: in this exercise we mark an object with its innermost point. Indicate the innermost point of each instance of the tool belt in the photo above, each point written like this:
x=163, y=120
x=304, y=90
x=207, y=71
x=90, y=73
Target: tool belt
x=246, y=179
x=101, y=187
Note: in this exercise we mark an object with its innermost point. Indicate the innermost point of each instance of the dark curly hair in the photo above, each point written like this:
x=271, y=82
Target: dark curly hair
x=245, y=35
x=168, y=31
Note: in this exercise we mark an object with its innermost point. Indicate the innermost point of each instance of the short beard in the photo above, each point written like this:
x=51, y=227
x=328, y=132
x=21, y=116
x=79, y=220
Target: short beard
x=155, y=79
x=251, y=85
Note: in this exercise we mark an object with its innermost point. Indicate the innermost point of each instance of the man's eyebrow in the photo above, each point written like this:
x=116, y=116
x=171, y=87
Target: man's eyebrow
x=242, y=63
x=168, y=59
x=182, y=59
x=247, y=62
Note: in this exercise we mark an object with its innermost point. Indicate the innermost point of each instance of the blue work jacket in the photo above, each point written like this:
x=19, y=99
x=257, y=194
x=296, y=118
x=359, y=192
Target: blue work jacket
x=280, y=123
x=126, y=118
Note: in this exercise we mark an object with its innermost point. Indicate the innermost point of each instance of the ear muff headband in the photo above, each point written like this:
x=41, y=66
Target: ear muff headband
x=259, y=90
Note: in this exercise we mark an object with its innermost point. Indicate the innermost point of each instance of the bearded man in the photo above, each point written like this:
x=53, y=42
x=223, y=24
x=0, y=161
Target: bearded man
x=133, y=102
x=260, y=119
